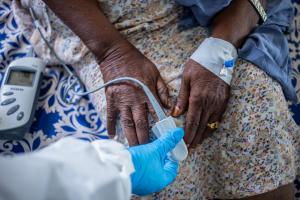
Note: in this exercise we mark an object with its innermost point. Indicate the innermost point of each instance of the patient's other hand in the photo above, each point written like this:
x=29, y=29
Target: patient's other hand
x=121, y=60
x=205, y=97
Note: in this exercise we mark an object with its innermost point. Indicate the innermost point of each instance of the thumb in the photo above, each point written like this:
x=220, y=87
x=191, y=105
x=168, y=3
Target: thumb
x=167, y=142
x=182, y=99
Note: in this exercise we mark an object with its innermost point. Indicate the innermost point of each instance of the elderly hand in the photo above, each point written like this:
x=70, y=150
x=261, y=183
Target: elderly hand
x=204, y=96
x=127, y=98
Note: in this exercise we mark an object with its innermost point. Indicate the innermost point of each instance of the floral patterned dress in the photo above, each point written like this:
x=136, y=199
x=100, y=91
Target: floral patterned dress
x=255, y=150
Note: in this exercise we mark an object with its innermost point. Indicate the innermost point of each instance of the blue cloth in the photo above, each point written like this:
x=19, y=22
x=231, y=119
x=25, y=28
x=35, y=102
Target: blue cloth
x=267, y=46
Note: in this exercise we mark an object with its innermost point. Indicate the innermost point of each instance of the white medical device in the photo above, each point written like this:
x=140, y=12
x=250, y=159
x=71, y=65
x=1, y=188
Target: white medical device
x=18, y=96
x=180, y=152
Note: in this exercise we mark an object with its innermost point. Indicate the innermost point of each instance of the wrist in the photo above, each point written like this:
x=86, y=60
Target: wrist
x=231, y=24
x=101, y=49
x=220, y=59
x=229, y=36
x=115, y=61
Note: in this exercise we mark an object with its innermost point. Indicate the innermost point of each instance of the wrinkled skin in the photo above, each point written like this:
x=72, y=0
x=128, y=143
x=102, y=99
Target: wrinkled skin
x=117, y=58
x=204, y=96
x=127, y=99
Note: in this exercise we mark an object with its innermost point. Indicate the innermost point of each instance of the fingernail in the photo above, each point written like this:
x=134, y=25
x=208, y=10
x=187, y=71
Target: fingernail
x=176, y=112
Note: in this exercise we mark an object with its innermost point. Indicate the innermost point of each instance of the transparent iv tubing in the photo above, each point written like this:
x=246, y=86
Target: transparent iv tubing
x=73, y=79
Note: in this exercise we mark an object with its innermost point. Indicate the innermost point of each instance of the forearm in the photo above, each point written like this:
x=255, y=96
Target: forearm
x=85, y=19
x=236, y=22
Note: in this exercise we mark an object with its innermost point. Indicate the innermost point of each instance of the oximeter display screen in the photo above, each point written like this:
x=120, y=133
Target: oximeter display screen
x=20, y=77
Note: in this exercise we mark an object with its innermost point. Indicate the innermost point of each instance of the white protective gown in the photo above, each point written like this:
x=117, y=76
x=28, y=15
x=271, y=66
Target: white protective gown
x=68, y=169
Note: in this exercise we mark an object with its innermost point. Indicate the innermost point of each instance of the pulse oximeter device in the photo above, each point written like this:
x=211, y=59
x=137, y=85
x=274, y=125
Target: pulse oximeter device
x=18, y=96
x=180, y=152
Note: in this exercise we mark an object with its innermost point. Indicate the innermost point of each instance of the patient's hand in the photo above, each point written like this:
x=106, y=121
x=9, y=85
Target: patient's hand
x=203, y=94
x=205, y=97
x=117, y=58
x=126, y=98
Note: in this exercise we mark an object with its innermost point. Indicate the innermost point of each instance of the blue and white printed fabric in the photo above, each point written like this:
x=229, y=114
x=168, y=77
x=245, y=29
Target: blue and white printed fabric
x=53, y=119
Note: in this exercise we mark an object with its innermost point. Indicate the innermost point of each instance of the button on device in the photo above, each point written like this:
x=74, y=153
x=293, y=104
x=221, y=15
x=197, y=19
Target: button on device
x=13, y=109
x=8, y=101
x=20, y=116
x=8, y=93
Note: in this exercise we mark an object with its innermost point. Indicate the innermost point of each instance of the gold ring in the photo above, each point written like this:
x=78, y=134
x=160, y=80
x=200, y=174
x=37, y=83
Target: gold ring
x=214, y=125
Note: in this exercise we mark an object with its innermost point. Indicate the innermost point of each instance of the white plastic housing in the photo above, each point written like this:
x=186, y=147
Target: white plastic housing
x=180, y=152
x=14, y=126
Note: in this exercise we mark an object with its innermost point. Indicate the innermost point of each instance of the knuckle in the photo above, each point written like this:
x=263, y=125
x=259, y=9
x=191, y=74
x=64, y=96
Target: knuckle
x=195, y=100
x=141, y=124
x=124, y=90
x=221, y=99
x=208, y=93
x=120, y=89
x=181, y=101
x=127, y=122
x=109, y=107
x=191, y=125
x=162, y=90
x=204, y=96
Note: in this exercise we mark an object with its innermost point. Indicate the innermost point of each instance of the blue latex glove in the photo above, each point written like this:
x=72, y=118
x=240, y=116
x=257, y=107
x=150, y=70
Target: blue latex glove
x=153, y=170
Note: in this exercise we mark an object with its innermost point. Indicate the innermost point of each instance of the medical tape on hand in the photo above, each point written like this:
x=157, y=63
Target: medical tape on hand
x=218, y=56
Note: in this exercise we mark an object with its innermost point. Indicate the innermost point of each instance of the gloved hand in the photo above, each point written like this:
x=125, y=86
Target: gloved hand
x=153, y=169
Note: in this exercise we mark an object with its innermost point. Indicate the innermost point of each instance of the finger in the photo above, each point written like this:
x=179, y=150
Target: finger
x=111, y=117
x=140, y=118
x=182, y=99
x=192, y=120
x=168, y=141
x=128, y=126
x=152, y=111
x=201, y=128
x=208, y=131
x=163, y=93
x=171, y=171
